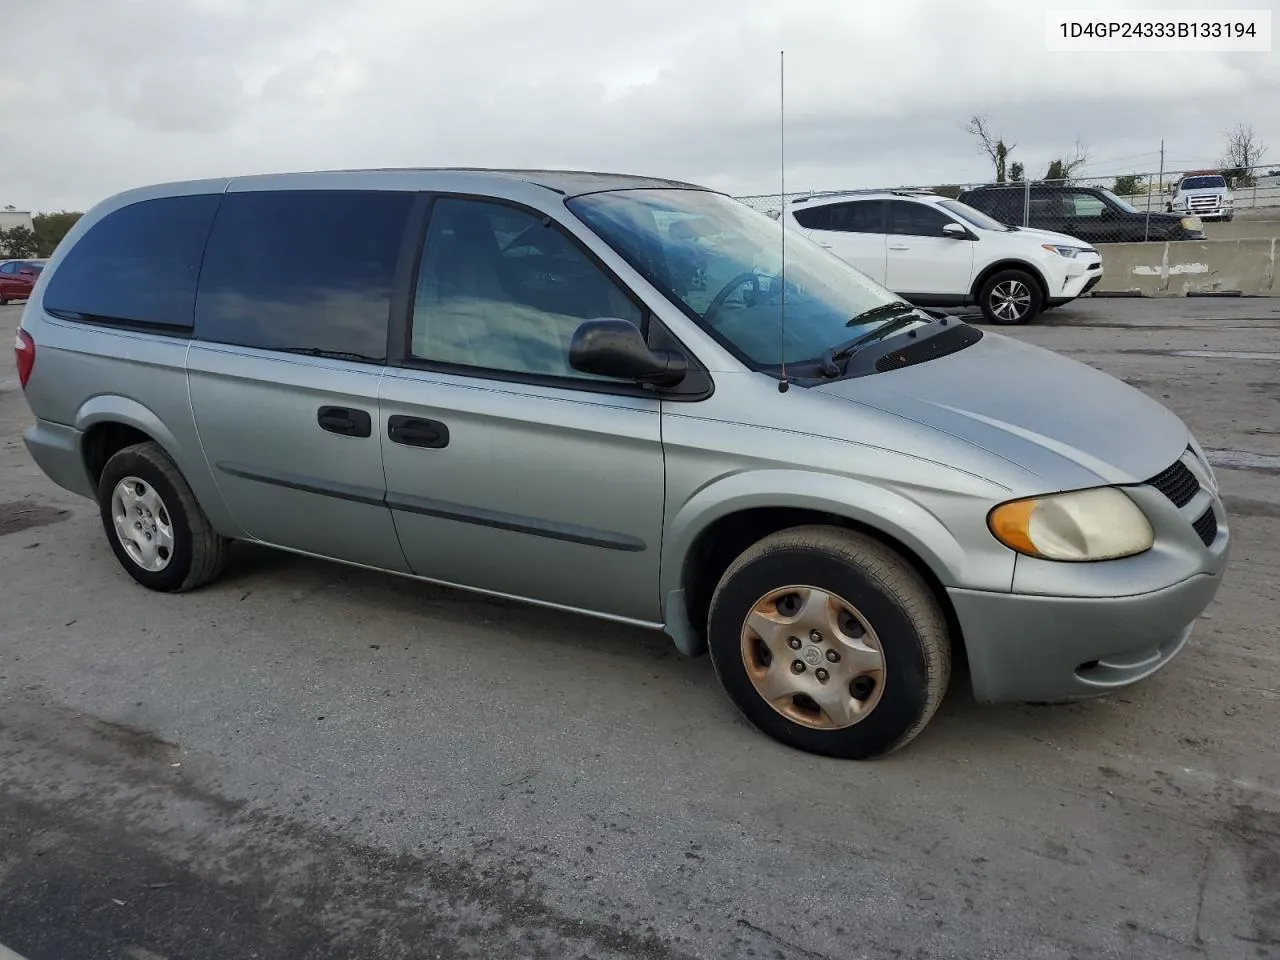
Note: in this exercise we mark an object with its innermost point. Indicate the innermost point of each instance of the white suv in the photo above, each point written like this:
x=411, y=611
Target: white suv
x=935, y=251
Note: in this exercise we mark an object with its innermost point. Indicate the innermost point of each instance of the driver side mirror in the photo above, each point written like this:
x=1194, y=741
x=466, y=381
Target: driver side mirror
x=616, y=348
x=955, y=231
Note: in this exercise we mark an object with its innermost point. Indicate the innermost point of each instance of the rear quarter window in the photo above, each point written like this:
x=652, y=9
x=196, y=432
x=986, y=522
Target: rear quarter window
x=303, y=270
x=136, y=266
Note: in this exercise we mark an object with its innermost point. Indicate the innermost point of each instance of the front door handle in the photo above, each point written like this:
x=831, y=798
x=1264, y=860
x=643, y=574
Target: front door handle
x=416, y=432
x=345, y=421
x=900, y=247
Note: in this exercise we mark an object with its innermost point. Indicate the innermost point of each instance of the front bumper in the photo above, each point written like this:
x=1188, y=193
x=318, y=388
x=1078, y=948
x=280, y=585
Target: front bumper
x=1069, y=631
x=1079, y=280
x=1066, y=648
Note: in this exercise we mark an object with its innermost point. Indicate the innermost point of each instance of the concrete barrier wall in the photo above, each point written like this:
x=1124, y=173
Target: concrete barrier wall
x=1186, y=267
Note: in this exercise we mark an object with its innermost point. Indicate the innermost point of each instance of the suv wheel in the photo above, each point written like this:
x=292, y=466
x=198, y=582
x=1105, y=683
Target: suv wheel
x=154, y=525
x=1010, y=297
x=830, y=642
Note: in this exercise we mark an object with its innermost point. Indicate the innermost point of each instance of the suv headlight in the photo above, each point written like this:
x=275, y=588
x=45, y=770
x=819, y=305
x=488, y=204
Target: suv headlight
x=1064, y=251
x=1084, y=525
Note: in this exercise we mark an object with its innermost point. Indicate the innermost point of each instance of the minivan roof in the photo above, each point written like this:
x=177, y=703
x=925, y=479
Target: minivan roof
x=570, y=183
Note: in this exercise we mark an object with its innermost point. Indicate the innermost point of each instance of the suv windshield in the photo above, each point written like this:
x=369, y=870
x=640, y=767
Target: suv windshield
x=1201, y=183
x=1116, y=200
x=719, y=261
x=975, y=217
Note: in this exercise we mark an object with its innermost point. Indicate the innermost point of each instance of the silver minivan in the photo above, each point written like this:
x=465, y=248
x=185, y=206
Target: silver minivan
x=616, y=396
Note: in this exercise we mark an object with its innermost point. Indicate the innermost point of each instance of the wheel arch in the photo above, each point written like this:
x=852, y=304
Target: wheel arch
x=717, y=525
x=1009, y=264
x=108, y=423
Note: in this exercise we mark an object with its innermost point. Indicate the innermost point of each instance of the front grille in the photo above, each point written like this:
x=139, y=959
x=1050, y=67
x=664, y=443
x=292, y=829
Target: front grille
x=1207, y=527
x=1177, y=483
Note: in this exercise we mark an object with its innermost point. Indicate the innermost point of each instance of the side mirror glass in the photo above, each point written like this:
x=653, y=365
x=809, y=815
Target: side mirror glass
x=955, y=231
x=616, y=348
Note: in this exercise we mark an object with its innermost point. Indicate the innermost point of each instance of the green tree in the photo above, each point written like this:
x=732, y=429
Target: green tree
x=18, y=242
x=51, y=228
x=1064, y=168
x=993, y=145
x=1017, y=172
x=1129, y=185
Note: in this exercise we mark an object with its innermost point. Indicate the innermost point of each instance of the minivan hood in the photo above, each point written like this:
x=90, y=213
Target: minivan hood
x=1068, y=424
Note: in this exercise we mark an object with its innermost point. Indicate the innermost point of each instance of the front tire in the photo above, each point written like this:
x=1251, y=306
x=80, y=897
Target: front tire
x=828, y=641
x=154, y=524
x=1010, y=297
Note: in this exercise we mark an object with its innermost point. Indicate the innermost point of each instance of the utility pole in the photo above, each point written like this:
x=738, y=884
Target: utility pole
x=1159, y=185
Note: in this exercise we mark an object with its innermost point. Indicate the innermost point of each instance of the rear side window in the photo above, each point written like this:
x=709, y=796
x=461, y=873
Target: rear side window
x=137, y=265
x=854, y=216
x=858, y=216
x=814, y=218
x=303, y=270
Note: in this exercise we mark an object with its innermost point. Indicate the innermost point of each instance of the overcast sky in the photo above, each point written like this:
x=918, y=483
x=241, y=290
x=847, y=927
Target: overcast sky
x=98, y=96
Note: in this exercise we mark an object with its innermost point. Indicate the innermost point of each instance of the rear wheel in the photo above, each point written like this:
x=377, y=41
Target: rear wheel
x=1010, y=297
x=829, y=641
x=154, y=524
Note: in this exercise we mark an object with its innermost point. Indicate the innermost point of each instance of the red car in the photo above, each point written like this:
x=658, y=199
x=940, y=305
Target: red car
x=17, y=277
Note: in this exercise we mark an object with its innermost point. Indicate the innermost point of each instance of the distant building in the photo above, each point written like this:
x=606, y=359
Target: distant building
x=10, y=218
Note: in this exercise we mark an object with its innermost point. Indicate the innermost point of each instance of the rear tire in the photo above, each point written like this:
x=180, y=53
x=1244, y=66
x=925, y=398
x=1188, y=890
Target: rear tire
x=830, y=642
x=154, y=524
x=1010, y=297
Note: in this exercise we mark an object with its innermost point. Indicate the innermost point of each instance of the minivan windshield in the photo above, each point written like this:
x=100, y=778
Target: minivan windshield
x=975, y=217
x=720, y=262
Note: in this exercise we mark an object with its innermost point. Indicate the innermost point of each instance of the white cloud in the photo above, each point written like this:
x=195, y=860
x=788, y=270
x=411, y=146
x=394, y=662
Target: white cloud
x=99, y=97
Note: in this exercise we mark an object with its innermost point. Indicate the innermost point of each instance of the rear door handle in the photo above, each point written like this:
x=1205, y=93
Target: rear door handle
x=899, y=247
x=345, y=421
x=416, y=432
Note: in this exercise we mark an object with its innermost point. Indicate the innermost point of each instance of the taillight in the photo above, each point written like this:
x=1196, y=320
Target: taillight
x=24, y=354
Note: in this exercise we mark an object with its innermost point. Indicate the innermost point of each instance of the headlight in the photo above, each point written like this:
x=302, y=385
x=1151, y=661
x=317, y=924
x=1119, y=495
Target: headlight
x=1062, y=251
x=1098, y=524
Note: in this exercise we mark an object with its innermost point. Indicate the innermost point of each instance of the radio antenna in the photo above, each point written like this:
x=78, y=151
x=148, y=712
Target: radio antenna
x=782, y=214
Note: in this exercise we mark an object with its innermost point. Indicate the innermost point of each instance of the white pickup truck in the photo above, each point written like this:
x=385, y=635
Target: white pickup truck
x=1205, y=195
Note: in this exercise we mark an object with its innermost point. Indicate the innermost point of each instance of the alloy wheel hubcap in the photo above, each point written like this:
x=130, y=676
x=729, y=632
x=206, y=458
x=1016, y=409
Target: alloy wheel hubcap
x=142, y=524
x=813, y=657
x=1010, y=300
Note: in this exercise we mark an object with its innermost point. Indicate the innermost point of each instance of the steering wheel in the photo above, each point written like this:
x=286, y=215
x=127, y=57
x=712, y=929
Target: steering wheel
x=718, y=301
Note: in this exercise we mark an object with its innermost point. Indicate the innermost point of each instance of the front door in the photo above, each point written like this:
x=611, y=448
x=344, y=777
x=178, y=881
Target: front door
x=921, y=258
x=506, y=470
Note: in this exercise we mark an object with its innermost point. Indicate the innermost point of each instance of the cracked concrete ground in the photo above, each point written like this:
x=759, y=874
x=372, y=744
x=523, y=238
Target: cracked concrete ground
x=305, y=760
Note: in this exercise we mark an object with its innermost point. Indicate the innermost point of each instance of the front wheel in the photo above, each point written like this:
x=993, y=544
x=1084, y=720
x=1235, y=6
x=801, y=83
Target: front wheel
x=828, y=641
x=1010, y=297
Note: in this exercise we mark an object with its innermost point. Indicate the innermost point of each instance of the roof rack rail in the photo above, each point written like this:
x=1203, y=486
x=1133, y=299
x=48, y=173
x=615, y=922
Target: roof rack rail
x=861, y=191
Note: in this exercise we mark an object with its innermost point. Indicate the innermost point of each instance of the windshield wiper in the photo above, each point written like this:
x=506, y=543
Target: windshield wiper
x=890, y=309
x=829, y=364
x=330, y=354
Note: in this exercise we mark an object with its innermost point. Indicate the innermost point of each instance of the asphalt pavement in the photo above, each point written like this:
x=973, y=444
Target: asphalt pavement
x=310, y=761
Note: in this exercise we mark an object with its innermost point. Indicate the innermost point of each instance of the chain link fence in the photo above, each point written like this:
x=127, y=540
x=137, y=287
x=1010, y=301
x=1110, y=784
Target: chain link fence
x=1251, y=188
